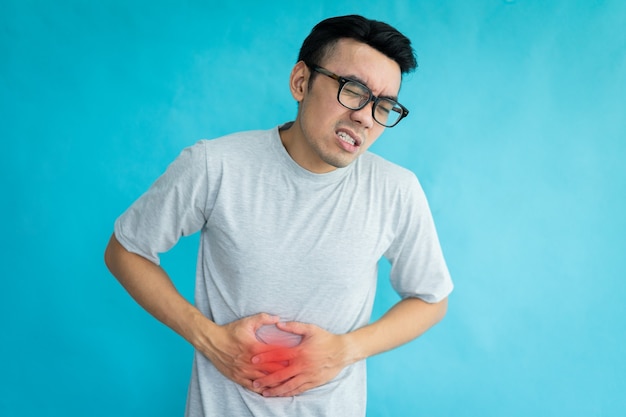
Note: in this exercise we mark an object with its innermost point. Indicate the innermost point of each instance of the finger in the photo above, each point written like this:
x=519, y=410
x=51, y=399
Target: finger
x=249, y=380
x=290, y=388
x=275, y=379
x=276, y=355
x=263, y=319
x=296, y=327
x=247, y=383
x=248, y=375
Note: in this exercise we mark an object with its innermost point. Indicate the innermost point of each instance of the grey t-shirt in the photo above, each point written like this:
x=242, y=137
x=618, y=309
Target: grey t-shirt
x=279, y=239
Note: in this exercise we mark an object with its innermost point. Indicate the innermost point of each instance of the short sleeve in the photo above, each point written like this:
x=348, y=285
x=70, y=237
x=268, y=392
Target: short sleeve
x=174, y=206
x=418, y=267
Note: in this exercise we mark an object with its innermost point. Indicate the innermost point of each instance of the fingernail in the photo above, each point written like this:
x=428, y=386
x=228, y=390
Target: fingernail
x=255, y=360
x=256, y=384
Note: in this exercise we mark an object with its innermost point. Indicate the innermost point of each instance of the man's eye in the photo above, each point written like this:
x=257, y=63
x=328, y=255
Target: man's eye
x=384, y=109
x=354, y=93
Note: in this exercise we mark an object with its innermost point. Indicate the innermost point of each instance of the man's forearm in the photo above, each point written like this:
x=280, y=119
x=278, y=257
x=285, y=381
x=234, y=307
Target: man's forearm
x=405, y=321
x=229, y=347
x=152, y=288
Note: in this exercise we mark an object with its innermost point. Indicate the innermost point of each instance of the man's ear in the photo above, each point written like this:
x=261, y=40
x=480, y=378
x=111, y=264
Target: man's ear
x=299, y=80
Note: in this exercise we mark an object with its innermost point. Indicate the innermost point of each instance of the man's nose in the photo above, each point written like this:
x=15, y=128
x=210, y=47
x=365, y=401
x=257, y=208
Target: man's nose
x=364, y=116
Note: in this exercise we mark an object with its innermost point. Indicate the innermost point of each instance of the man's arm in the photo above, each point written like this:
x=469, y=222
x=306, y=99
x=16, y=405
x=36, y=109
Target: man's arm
x=407, y=320
x=229, y=347
x=322, y=355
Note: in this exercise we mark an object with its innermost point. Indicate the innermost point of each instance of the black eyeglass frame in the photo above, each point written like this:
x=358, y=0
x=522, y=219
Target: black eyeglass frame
x=372, y=98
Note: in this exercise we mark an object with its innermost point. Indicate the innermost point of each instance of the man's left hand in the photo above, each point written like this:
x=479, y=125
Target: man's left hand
x=316, y=360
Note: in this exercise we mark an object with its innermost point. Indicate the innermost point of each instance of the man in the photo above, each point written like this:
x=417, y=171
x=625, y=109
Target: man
x=294, y=221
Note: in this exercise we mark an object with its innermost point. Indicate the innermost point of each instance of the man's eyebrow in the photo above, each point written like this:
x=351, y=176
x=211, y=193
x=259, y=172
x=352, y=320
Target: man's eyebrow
x=357, y=79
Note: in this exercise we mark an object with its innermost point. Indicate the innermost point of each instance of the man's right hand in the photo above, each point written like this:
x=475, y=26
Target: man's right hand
x=231, y=347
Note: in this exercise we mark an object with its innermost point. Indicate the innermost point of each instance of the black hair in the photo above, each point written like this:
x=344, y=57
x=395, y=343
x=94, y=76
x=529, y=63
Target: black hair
x=379, y=35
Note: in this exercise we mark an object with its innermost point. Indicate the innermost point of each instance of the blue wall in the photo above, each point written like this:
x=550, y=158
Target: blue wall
x=517, y=131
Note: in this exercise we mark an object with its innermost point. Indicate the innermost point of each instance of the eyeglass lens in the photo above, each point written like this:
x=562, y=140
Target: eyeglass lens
x=355, y=96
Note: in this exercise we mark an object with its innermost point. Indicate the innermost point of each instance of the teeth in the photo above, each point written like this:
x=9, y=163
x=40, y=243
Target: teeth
x=346, y=138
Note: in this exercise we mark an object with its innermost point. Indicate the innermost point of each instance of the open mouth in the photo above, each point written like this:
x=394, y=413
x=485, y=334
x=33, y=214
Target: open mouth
x=344, y=136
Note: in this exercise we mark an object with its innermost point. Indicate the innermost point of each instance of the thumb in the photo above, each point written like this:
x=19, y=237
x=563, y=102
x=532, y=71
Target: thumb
x=263, y=319
x=296, y=327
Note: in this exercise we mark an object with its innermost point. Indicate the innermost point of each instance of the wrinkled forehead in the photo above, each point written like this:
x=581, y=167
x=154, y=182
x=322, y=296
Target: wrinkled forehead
x=361, y=62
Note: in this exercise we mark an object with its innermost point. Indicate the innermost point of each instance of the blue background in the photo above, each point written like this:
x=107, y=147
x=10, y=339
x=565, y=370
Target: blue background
x=517, y=132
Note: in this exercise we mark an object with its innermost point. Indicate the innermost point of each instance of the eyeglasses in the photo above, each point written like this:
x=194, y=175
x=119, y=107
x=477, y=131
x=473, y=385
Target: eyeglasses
x=355, y=95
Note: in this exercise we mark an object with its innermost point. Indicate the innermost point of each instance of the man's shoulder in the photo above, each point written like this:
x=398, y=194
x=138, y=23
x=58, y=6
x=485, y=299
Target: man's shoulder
x=235, y=146
x=240, y=139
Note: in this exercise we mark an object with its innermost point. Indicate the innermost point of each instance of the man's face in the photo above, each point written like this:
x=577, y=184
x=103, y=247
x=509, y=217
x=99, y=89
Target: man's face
x=331, y=136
